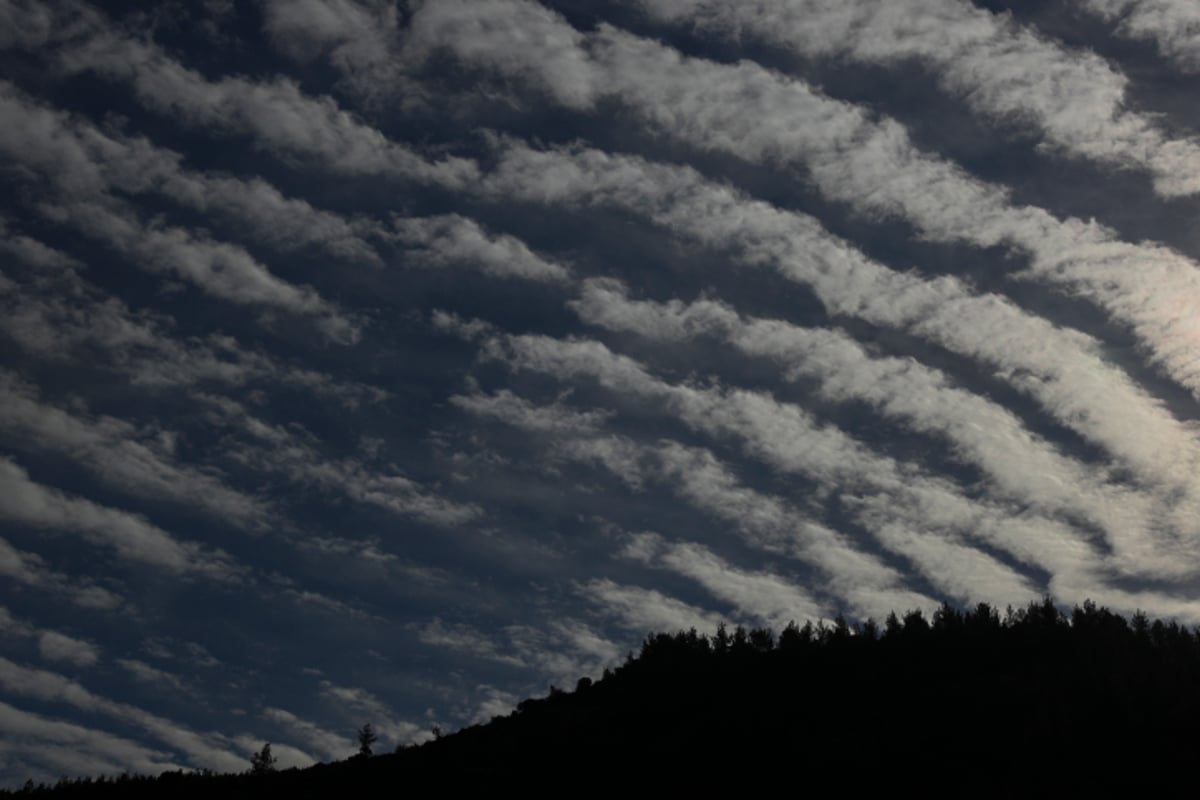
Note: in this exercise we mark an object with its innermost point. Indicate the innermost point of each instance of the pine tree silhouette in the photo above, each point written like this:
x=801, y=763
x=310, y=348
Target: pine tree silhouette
x=366, y=738
x=262, y=761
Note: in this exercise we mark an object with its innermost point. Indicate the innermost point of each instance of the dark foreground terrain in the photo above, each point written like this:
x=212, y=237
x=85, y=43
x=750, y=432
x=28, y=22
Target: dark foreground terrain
x=1032, y=703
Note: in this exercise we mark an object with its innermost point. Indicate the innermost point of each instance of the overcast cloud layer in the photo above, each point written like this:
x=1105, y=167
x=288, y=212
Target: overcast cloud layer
x=377, y=362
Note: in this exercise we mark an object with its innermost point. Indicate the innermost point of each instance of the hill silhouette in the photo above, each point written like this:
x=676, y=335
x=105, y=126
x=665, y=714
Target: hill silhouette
x=971, y=703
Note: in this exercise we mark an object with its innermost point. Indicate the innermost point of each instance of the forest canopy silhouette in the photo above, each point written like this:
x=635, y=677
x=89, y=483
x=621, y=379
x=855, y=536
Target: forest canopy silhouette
x=985, y=701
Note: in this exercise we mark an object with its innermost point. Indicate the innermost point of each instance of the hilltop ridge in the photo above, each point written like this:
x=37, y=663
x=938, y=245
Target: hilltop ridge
x=971, y=699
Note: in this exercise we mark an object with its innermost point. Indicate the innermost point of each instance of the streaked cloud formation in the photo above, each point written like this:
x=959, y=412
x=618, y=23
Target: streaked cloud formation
x=391, y=362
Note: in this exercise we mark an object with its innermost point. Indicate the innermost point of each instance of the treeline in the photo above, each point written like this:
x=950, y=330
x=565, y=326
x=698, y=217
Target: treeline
x=1040, y=624
x=976, y=702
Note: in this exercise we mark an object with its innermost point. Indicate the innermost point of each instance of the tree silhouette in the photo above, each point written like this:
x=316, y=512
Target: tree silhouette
x=262, y=762
x=366, y=738
x=1080, y=699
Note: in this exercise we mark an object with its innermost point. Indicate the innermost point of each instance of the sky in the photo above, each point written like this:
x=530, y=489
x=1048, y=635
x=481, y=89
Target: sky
x=392, y=362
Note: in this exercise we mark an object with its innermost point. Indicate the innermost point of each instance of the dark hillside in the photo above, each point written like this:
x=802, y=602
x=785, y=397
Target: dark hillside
x=971, y=703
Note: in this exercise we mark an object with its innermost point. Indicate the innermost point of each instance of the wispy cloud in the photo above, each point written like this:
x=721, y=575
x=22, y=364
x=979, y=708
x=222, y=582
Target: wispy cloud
x=275, y=448
x=560, y=651
x=1021, y=466
x=139, y=462
x=61, y=747
x=278, y=116
x=1172, y=25
x=853, y=576
x=55, y=646
x=383, y=719
x=358, y=39
x=1001, y=69
x=57, y=315
x=766, y=596
x=30, y=569
x=46, y=141
x=329, y=745
x=520, y=340
x=129, y=536
x=849, y=153
x=46, y=686
x=453, y=239
x=1062, y=369
x=642, y=610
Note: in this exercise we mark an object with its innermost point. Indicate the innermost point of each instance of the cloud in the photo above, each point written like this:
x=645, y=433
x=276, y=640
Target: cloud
x=139, y=462
x=46, y=141
x=487, y=32
x=31, y=569
x=329, y=745
x=769, y=523
x=1020, y=465
x=804, y=394
x=643, y=610
x=850, y=154
x=60, y=317
x=1000, y=69
x=452, y=239
x=275, y=448
x=208, y=750
x=358, y=39
x=383, y=719
x=1172, y=25
x=464, y=638
x=1062, y=369
x=153, y=676
x=56, y=646
x=12, y=626
x=768, y=597
x=556, y=419
x=885, y=495
x=497, y=703
x=80, y=157
x=559, y=650
x=276, y=115
x=72, y=749
x=129, y=536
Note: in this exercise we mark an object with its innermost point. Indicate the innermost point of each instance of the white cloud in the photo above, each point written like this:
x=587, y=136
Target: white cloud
x=1172, y=25
x=643, y=610
x=276, y=114
x=62, y=150
x=72, y=749
x=129, y=536
x=1062, y=369
x=1021, y=467
x=359, y=39
x=276, y=448
x=769, y=597
x=149, y=674
x=60, y=317
x=31, y=569
x=452, y=239
x=204, y=749
x=767, y=522
x=785, y=437
x=552, y=419
x=559, y=651
x=383, y=719
x=851, y=156
x=1002, y=70
x=497, y=703
x=118, y=453
x=329, y=745
x=56, y=646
